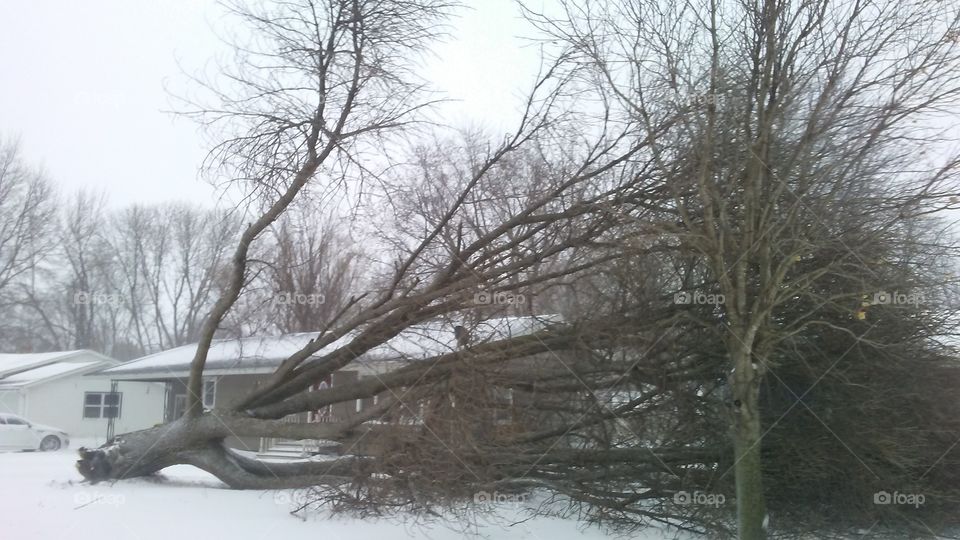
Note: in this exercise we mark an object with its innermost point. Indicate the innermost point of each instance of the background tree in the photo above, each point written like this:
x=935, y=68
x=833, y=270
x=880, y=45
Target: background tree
x=26, y=210
x=312, y=273
x=170, y=260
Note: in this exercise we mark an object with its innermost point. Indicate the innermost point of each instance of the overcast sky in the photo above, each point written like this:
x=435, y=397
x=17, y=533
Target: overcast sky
x=82, y=86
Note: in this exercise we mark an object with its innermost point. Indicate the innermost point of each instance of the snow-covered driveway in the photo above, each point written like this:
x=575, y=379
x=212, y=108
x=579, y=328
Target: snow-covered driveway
x=40, y=498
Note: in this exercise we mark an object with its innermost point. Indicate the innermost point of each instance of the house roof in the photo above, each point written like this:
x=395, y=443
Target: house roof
x=12, y=363
x=20, y=370
x=259, y=354
x=45, y=373
x=15, y=363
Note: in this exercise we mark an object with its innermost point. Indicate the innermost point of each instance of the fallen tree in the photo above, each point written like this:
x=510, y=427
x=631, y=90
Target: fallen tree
x=617, y=220
x=347, y=84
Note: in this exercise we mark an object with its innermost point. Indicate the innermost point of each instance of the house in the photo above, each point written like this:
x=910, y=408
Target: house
x=234, y=367
x=62, y=389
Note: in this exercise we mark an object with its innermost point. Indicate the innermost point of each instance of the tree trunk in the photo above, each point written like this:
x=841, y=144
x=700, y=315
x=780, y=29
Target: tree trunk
x=199, y=442
x=748, y=471
x=750, y=501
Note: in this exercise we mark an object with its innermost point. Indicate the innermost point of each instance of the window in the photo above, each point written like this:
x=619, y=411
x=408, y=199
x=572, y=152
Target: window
x=209, y=393
x=102, y=404
x=14, y=421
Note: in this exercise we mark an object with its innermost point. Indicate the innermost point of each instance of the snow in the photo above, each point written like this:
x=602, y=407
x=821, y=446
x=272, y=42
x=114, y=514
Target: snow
x=437, y=337
x=11, y=363
x=237, y=354
x=261, y=354
x=24, y=378
x=41, y=497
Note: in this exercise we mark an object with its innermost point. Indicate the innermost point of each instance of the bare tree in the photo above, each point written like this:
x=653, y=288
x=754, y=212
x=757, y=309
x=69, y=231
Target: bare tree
x=165, y=267
x=312, y=272
x=790, y=115
x=26, y=225
x=84, y=291
x=354, y=58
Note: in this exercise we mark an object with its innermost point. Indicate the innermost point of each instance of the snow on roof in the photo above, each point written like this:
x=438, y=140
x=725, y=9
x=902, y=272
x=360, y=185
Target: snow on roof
x=246, y=354
x=437, y=337
x=31, y=376
x=260, y=354
x=13, y=363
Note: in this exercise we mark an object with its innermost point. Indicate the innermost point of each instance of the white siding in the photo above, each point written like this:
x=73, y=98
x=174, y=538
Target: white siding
x=59, y=403
x=10, y=401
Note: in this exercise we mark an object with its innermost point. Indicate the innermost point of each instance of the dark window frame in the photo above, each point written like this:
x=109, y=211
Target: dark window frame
x=101, y=406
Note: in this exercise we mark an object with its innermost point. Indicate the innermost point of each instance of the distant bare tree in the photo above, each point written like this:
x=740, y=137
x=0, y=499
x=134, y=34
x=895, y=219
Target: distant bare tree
x=186, y=259
x=129, y=236
x=168, y=262
x=27, y=223
x=312, y=272
x=85, y=287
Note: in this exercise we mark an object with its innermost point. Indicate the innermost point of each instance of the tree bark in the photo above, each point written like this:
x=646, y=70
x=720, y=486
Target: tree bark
x=199, y=442
x=748, y=470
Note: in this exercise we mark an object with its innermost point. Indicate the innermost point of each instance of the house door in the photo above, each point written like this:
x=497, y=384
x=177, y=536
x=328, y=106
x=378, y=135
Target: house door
x=324, y=414
x=179, y=405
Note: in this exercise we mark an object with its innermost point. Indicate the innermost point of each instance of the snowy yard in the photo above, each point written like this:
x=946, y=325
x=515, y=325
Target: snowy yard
x=42, y=498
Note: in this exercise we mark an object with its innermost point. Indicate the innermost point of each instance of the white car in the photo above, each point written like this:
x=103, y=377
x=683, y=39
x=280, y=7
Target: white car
x=19, y=434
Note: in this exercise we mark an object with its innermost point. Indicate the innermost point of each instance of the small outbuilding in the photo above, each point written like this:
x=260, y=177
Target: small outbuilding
x=63, y=389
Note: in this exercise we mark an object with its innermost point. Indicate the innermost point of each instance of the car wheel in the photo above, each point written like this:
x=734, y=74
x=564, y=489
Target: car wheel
x=50, y=443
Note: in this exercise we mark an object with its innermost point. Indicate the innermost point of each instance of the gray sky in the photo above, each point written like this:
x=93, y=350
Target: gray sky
x=82, y=86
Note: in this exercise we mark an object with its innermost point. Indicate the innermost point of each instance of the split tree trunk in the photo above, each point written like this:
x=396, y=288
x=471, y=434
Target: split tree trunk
x=199, y=442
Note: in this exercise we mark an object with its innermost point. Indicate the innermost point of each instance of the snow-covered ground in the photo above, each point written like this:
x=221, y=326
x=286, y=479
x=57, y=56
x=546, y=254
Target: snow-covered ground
x=41, y=497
